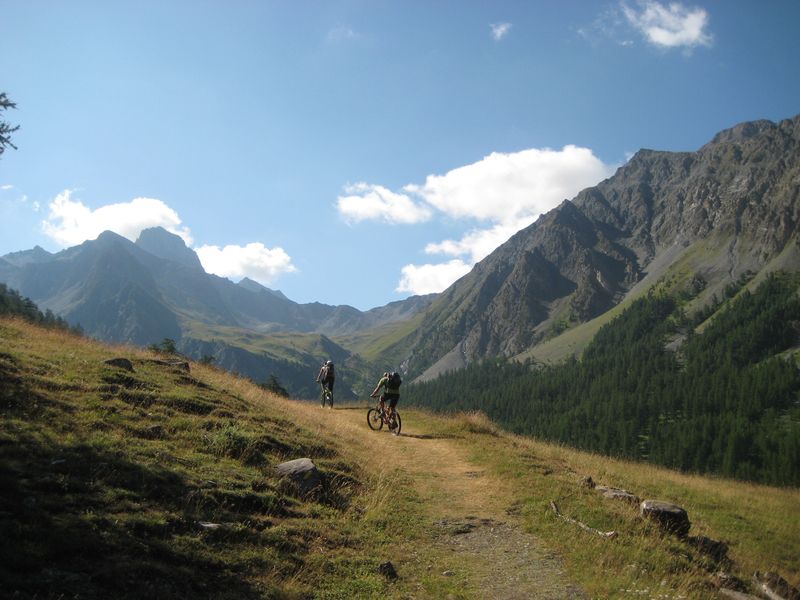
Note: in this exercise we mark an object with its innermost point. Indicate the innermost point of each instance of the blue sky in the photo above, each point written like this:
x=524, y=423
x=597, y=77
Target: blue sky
x=356, y=152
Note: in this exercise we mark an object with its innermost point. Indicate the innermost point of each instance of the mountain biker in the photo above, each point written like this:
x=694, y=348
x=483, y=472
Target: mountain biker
x=327, y=376
x=391, y=393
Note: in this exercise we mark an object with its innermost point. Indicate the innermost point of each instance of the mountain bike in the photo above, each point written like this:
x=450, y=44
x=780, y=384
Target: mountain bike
x=325, y=396
x=377, y=417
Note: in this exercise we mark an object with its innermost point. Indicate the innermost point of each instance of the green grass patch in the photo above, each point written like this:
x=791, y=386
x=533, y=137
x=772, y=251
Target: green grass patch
x=758, y=523
x=158, y=483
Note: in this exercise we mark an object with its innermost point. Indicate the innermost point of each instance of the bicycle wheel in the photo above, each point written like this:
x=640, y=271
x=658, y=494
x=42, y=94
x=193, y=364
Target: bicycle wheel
x=322, y=397
x=374, y=419
x=398, y=424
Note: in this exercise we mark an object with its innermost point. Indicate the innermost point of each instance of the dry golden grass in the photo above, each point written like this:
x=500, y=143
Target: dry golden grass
x=396, y=489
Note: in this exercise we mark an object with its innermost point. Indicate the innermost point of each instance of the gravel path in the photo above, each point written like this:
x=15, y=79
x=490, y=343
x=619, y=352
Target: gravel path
x=475, y=535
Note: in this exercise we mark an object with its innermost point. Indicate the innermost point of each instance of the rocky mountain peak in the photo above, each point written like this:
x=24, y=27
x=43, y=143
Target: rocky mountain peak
x=253, y=286
x=743, y=131
x=730, y=207
x=163, y=244
x=34, y=255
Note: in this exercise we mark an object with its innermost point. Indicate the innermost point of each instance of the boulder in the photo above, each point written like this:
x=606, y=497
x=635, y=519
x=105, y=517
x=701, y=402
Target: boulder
x=669, y=516
x=303, y=474
x=120, y=363
x=613, y=493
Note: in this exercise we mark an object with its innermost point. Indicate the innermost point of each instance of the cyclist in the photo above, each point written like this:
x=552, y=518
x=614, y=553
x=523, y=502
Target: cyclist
x=390, y=382
x=327, y=377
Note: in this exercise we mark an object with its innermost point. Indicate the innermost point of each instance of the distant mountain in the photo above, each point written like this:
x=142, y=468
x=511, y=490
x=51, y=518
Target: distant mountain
x=254, y=286
x=106, y=286
x=156, y=288
x=159, y=242
x=707, y=216
x=37, y=254
x=698, y=220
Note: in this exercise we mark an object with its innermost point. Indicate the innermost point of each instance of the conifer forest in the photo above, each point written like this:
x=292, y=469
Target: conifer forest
x=712, y=393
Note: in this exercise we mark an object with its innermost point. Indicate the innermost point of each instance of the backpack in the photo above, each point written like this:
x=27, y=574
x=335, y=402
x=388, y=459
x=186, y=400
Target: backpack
x=328, y=372
x=394, y=380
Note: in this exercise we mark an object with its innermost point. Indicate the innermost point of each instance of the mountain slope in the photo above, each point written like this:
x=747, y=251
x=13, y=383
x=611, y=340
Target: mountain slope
x=713, y=394
x=159, y=482
x=731, y=207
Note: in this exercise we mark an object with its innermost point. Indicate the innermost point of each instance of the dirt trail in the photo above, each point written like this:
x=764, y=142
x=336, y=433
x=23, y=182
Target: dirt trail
x=473, y=531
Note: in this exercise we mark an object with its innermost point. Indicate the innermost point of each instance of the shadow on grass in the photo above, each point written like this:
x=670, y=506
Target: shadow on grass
x=83, y=520
x=430, y=436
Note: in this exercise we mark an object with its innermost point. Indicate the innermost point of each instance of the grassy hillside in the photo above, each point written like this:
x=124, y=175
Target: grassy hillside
x=759, y=524
x=384, y=345
x=295, y=358
x=159, y=483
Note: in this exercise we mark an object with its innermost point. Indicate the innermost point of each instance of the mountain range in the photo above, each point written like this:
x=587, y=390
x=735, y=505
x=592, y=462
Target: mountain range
x=156, y=288
x=693, y=219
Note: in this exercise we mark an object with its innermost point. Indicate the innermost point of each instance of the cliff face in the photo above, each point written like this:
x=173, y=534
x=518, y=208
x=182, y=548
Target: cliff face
x=737, y=197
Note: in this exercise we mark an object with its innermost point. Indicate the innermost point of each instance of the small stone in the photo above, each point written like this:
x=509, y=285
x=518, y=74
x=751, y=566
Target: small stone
x=722, y=580
x=387, y=570
x=177, y=363
x=775, y=586
x=613, y=493
x=448, y=573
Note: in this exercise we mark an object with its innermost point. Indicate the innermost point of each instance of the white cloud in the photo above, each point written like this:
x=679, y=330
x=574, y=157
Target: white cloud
x=479, y=243
x=6, y=187
x=374, y=202
x=427, y=279
x=253, y=260
x=669, y=26
x=71, y=222
x=500, y=30
x=506, y=191
x=506, y=187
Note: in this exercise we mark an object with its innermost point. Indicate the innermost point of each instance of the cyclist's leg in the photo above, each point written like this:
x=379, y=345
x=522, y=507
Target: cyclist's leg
x=392, y=404
x=382, y=402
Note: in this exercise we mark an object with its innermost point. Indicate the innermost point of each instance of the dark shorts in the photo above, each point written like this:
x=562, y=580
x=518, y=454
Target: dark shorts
x=328, y=384
x=391, y=398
